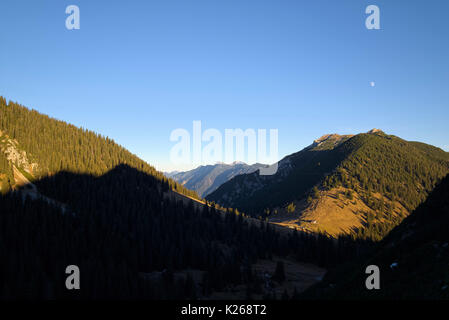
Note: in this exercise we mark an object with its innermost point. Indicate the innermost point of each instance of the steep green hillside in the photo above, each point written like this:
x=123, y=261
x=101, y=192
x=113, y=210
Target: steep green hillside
x=398, y=169
x=385, y=169
x=56, y=145
x=121, y=232
x=413, y=259
x=296, y=175
x=374, y=180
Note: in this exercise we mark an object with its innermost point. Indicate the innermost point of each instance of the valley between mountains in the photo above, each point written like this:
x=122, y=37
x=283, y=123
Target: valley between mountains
x=71, y=196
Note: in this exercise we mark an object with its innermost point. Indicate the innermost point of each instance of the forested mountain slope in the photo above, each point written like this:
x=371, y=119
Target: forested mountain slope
x=118, y=229
x=53, y=145
x=296, y=174
x=130, y=241
x=363, y=184
x=413, y=259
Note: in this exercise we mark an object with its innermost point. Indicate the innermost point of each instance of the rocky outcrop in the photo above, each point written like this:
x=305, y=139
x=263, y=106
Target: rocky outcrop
x=13, y=153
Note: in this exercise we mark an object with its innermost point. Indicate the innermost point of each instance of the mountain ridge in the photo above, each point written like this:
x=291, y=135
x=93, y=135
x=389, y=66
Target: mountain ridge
x=382, y=178
x=207, y=178
x=56, y=145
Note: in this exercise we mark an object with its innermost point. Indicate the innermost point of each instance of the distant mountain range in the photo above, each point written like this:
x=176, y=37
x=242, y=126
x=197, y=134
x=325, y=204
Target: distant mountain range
x=340, y=184
x=206, y=179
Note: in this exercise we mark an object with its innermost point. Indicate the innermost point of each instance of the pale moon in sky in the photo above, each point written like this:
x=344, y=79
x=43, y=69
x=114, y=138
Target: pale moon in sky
x=372, y=83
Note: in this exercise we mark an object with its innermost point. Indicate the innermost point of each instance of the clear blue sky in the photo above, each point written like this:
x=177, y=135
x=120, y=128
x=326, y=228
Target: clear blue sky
x=136, y=70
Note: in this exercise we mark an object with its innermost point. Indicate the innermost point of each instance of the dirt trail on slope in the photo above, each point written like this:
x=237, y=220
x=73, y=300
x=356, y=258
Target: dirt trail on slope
x=28, y=189
x=21, y=180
